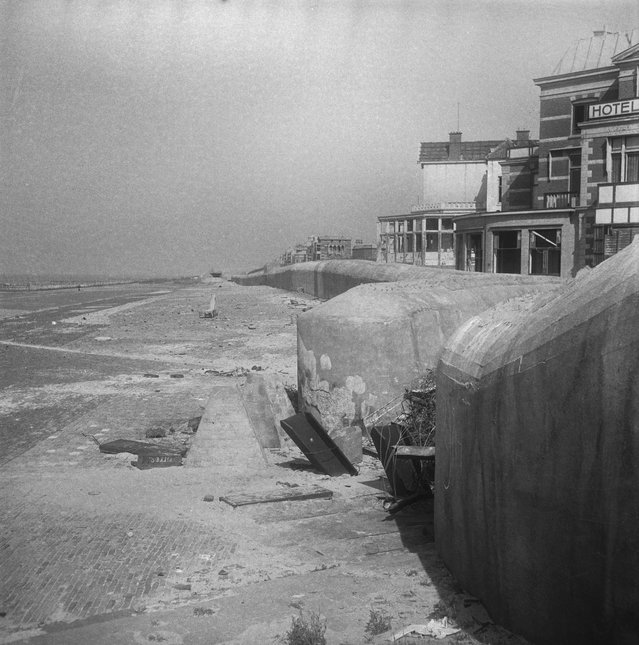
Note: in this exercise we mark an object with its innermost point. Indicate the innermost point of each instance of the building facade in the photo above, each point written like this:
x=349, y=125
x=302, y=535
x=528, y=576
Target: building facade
x=319, y=247
x=328, y=247
x=454, y=181
x=573, y=200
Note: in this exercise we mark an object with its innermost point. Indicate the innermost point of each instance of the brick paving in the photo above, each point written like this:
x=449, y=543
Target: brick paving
x=62, y=561
x=74, y=566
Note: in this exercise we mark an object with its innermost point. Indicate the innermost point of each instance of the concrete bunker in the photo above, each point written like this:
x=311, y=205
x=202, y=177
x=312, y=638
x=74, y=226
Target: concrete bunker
x=537, y=485
x=361, y=349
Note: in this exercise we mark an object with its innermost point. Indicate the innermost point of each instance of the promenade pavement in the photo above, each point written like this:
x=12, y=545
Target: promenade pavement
x=94, y=550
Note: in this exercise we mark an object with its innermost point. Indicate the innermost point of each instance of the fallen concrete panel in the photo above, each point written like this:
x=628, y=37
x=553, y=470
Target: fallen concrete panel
x=140, y=448
x=537, y=479
x=316, y=445
x=361, y=349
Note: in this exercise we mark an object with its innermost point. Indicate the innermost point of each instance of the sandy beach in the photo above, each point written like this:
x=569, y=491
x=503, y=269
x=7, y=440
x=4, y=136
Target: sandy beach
x=97, y=550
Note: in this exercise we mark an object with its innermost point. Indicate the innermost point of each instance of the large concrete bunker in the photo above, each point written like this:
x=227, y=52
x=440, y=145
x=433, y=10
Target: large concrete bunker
x=361, y=349
x=537, y=484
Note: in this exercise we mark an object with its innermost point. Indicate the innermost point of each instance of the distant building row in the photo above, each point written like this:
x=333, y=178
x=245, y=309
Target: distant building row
x=548, y=207
x=326, y=247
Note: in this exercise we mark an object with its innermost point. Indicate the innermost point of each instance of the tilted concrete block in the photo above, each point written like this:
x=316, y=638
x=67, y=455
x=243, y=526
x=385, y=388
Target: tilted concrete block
x=361, y=349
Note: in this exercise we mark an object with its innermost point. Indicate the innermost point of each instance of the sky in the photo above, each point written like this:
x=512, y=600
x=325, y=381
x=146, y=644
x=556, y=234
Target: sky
x=172, y=137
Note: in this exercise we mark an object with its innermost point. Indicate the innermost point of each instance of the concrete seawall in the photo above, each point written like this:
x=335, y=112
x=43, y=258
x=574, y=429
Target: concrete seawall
x=328, y=278
x=537, y=485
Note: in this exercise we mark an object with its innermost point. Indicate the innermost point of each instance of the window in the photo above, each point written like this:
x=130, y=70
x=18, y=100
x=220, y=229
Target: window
x=432, y=241
x=574, y=171
x=579, y=112
x=432, y=224
x=507, y=247
x=545, y=251
x=561, y=163
x=447, y=242
x=623, y=159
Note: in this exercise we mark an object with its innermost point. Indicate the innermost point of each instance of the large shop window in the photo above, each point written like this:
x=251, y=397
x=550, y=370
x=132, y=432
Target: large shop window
x=507, y=246
x=624, y=159
x=545, y=252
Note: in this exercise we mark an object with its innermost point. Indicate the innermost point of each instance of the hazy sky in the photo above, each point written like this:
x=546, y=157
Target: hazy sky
x=169, y=137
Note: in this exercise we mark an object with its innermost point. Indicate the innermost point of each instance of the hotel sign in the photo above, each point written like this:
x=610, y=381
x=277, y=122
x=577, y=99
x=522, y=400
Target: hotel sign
x=617, y=108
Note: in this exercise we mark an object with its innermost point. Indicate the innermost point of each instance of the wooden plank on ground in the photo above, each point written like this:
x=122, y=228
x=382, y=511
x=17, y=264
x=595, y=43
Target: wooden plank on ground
x=420, y=452
x=277, y=495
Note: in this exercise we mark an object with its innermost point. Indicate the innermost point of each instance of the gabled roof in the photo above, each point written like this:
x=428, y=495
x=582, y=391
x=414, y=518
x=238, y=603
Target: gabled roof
x=630, y=55
x=595, y=52
x=469, y=150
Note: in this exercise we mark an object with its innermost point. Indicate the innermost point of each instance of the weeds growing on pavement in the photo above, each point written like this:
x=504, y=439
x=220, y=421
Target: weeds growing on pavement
x=378, y=622
x=306, y=630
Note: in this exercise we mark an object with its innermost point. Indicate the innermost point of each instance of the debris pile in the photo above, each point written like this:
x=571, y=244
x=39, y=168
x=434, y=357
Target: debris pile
x=169, y=447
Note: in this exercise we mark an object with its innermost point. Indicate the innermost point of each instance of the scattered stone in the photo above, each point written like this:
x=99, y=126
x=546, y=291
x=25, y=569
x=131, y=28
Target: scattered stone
x=251, y=326
x=182, y=586
x=203, y=611
x=155, y=433
x=177, y=375
x=101, y=338
x=151, y=375
x=209, y=498
x=194, y=423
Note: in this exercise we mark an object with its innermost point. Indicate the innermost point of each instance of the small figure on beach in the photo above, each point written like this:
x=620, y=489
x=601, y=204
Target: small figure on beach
x=211, y=312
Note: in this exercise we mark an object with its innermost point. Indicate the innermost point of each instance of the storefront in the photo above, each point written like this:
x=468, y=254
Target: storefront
x=527, y=243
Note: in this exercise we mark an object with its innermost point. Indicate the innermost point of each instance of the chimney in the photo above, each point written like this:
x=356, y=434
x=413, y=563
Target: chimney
x=454, y=147
x=523, y=135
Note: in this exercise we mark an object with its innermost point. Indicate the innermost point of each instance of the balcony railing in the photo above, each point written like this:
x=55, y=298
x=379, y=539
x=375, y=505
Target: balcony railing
x=436, y=206
x=560, y=200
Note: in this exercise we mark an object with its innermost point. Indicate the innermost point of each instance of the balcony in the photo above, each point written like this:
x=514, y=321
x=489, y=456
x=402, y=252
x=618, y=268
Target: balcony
x=618, y=204
x=445, y=206
x=560, y=200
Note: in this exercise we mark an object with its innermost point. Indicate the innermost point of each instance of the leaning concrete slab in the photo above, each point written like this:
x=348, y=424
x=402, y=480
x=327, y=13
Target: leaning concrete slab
x=537, y=479
x=360, y=350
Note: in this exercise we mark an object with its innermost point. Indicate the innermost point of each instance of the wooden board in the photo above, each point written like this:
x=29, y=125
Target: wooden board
x=419, y=452
x=277, y=495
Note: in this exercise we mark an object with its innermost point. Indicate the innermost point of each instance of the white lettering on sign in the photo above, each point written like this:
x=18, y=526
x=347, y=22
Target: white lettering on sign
x=618, y=108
